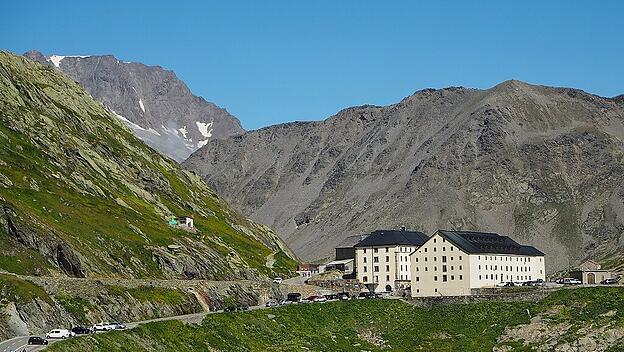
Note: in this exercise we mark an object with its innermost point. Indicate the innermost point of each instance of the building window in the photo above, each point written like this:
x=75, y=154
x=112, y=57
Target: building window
x=435, y=268
x=425, y=258
x=435, y=249
x=435, y=259
x=387, y=250
x=452, y=277
x=364, y=259
x=452, y=248
x=417, y=290
x=425, y=250
x=387, y=277
x=376, y=268
x=436, y=290
x=479, y=267
x=443, y=268
x=451, y=258
x=460, y=277
x=434, y=240
x=365, y=279
x=460, y=257
x=364, y=250
x=375, y=250
x=376, y=278
x=387, y=267
x=443, y=239
x=479, y=277
x=416, y=259
x=416, y=268
x=452, y=268
x=426, y=268
x=435, y=278
x=443, y=259
x=364, y=268
x=387, y=258
x=375, y=259
x=460, y=267
x=417, y=278
x=443, y=249
x=444, y=278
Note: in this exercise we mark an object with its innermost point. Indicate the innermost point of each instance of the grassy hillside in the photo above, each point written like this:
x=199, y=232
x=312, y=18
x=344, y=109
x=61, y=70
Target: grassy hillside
x=565, y=317
x=80, y=195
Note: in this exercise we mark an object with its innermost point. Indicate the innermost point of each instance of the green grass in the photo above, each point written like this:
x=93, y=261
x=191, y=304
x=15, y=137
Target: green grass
x=14, y=289
x=362, y=325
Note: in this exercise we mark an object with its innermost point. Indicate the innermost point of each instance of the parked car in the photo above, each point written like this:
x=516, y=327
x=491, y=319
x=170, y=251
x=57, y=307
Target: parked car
x=59, y=334
x=103, y=327
x=343, y=295
x=118, y=326
x=366, y=295
x=286, y=302
x=331, y=297
x=319, y=299
x=271, y=304
x=568, y=281
x=37, y=340
x=278, y=280
x=609, y=281
x=293, y=297
x=82, y=330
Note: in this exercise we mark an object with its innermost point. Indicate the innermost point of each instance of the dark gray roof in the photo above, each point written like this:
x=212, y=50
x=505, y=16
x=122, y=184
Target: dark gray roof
x=351, y=241
x=487, y=242
x=393, y=237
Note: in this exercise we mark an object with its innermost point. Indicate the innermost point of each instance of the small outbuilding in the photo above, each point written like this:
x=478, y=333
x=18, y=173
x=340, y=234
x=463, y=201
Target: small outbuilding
x=344, y=265
x=590, y=272
x=182, y=221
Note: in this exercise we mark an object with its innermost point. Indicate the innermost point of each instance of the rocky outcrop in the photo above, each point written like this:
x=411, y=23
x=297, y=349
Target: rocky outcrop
x=157, y=106
x=543, y=165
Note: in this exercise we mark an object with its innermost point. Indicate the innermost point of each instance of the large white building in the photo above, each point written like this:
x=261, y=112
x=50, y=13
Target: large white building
x=382, y=259
x=452, y=263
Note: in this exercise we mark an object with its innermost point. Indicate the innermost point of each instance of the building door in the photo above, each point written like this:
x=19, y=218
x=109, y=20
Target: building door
x=591, y=278
x=388, y=288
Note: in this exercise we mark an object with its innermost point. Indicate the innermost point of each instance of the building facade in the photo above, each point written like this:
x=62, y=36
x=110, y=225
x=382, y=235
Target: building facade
x=452, y=263
x=590, y=272
x=382, y=259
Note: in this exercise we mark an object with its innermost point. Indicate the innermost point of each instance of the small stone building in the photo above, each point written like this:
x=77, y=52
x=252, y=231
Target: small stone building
x=590, y=272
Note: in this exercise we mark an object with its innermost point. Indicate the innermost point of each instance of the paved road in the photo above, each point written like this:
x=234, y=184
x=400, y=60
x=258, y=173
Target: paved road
x=20, y=343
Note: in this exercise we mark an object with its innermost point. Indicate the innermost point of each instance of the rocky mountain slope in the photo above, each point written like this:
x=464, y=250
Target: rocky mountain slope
x=543, y=165
x=81, y=196
x=153, y=102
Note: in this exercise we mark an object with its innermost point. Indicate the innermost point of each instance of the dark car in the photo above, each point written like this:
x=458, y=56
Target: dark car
x=37, y=340
x=366, y=295
x=294, y=297
x=81, y=330
x=343, y=295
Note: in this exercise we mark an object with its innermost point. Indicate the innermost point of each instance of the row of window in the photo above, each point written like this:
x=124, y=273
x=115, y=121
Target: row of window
x=376, y=278
x=387, y=249
x=435, y=259
x=376, y=259
x=444, y=268
x=508, y=268
x=445, y=278
x=435, y=249
x=507, y=277
x=507, y=258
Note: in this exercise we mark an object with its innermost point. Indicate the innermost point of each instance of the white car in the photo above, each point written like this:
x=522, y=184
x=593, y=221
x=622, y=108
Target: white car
x=278, y=280
x=104, y=327
x=59, y=334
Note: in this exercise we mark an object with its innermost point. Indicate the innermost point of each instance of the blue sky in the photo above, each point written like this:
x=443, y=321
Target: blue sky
x=275, y=61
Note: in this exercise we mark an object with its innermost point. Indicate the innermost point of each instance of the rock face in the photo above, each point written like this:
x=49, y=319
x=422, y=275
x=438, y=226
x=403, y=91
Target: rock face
x=81, y=196
x=158, y=107
x=543, y=165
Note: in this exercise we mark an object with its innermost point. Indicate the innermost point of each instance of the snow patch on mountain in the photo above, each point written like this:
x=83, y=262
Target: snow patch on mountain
x=134, y=125
x=141, y=105
x=183, y=131
x=56, y=59
x=202, y=143
x=204, y=129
